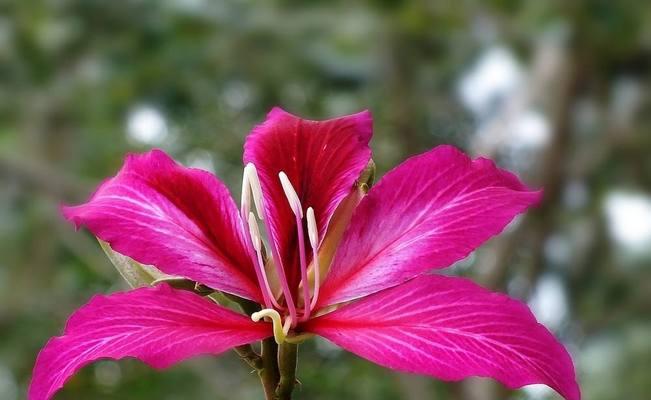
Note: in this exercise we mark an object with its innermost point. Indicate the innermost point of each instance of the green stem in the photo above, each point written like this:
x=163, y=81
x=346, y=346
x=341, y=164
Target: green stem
x=276, y=366
x=287, y=360
x=269, y=375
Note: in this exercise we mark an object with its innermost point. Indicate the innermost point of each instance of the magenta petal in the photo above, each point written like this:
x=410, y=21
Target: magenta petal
x=181, y=220
x=322, y=159
x=159, y=326
x=432, y=210
x=451, y=328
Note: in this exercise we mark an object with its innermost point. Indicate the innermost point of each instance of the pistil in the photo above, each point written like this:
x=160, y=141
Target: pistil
x=280, y=330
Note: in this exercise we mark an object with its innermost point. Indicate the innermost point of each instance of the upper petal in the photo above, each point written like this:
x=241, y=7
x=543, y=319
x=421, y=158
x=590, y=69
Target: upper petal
x=451, y=328
x=159, y=326
x=181, y=220
x=432, y=210
x=322, y=159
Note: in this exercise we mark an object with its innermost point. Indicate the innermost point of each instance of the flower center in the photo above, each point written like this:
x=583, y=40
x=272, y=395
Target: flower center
x=252, y=195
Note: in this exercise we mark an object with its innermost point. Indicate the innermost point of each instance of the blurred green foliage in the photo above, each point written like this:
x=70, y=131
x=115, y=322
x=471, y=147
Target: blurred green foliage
x=76, y=75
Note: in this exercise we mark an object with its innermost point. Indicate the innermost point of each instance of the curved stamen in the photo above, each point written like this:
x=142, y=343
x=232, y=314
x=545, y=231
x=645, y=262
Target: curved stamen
x=297, y=208
x=256, y=241
x=256, y=190
x=280, y=330
x=313, y=234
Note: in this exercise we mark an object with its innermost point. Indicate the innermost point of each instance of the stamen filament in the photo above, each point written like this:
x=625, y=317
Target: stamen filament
x=288, y=324
x=301, y=252
x=313, y=234
x=297, y=208
x=256, y=241
x=256, y=189
x=253, y=241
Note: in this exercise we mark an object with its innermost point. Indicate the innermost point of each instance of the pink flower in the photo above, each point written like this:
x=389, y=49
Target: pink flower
x=368, y=290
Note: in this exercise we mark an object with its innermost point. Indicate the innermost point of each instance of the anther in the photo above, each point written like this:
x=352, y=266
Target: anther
x=279, y=330
x=290, y=193
x=245, y=204
x=251, y=175
x=254, y=232
x=312, y=230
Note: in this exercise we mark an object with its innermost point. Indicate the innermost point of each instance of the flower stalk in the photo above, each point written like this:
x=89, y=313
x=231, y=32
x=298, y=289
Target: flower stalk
x=269, y=373
x=287, y=361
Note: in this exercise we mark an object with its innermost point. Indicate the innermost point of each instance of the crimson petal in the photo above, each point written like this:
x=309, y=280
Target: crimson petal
x=322, y=159
x=430, y=211
x=451, y=328
x=181, y=220
x=159, y=326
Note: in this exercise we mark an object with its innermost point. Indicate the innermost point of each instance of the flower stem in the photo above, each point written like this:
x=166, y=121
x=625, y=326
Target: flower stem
x=276, y=366
x=287, y=360
x=269, y=374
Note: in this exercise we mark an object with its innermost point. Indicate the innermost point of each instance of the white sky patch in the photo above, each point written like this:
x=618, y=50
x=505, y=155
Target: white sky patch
x=147, y=125
x=496, y=74
x=558, y=249
x=549, y=301
x=538, y=392
x=530, y=130
x=575, y=195
x=629, y=219
x=238, y=95
x=201, y=159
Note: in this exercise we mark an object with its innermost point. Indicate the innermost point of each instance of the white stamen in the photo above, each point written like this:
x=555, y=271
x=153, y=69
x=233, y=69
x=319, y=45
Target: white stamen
x=245, y=204
x=256, y=241
x=254, y=182
x=312, y=230
x=254, y=231
x=287, y=325
x=290, y=193
x=256, y=190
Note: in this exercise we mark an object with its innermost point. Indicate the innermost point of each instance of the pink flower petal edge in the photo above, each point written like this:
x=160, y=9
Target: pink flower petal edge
x=451, y=328
x=159, y=326
x=322, y=160
x=181, y=220
x=430, y=211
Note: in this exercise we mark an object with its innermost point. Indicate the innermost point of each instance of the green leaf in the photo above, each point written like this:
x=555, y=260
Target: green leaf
x=136, y=274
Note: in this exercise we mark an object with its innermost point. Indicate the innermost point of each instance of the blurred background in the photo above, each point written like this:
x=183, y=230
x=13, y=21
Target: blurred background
x=556, y=90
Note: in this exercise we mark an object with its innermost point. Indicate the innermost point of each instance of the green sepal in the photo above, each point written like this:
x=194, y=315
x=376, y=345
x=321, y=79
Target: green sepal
x=136, y=274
